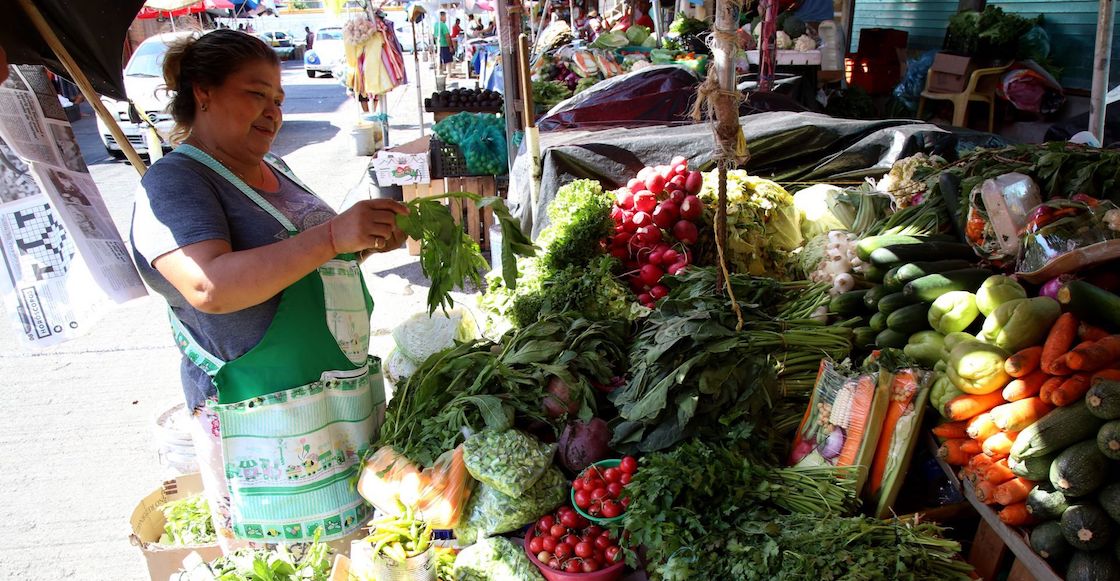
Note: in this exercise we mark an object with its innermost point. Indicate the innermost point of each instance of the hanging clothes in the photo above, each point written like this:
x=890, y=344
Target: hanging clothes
x=374, y=56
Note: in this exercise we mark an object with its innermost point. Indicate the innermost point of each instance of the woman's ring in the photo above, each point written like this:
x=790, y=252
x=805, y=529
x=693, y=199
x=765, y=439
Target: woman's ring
x=379, y=243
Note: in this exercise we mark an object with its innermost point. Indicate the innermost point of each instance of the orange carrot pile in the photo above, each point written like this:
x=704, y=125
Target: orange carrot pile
x=1058, y=343
x=968, y=406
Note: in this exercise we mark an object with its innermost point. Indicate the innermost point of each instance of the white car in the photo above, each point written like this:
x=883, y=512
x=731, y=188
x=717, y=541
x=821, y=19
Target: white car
x=143, y=77
x=326, y=53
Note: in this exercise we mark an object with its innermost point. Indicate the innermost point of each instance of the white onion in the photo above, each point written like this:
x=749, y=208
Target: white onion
x=844, y=282
x=837, y=237
x=820, y=315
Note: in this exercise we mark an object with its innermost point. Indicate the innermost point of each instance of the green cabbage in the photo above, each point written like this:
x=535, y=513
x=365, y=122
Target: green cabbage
x=821, y=210
x=637, y=35
x=613, y=39
x=421, y=335
x=763, y=225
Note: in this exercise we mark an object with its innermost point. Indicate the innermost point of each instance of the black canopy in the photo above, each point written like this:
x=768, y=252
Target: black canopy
x=92, y=30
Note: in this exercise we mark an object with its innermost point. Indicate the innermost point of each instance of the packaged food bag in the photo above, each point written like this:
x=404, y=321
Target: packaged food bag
x=490, y=512
x=439, y=493
x=908, y=389
x=509, y=461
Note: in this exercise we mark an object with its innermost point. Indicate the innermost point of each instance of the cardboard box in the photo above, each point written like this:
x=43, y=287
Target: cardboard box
x=949, y=73
x=148, y=522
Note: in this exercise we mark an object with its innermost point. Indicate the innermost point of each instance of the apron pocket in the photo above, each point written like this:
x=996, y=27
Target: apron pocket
x=347, y=316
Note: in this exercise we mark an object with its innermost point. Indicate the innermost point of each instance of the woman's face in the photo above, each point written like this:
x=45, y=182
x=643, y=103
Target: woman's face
x=243, y=113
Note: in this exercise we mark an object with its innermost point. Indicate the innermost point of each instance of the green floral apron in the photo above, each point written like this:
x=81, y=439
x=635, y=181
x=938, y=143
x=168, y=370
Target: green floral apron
x=299, y=410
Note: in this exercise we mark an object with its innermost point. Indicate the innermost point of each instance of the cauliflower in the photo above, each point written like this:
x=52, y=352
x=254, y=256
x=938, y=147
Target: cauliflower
x=783, y=41
x=804, y=43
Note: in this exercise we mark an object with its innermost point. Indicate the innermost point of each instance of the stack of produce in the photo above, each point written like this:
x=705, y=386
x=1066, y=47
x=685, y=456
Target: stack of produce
x=480, y=137
x=464, y=99
x=423, y=335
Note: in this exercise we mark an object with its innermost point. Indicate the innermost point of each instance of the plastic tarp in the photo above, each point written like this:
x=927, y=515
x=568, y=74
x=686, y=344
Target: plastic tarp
x=784, y=146
x=654, y=95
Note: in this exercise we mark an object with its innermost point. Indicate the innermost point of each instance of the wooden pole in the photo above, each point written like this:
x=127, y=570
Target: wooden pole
x=1098, y=105
x=532, y=136
x=83, y=83
x=416, y=61
x=767, y=46
x=507, y=47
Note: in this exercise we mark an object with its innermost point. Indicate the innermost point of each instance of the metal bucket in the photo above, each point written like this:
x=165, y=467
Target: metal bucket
x=174, y=444
x=364, y=565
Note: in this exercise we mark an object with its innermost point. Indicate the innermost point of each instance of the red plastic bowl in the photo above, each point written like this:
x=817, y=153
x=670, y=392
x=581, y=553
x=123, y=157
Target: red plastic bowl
x=611, y=573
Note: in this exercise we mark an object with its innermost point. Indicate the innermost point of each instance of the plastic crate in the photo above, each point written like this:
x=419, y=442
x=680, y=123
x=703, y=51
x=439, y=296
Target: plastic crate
x=448, y=161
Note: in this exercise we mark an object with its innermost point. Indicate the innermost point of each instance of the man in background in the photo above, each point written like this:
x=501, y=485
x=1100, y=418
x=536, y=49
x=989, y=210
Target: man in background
x=310, y=38
x=442, y=36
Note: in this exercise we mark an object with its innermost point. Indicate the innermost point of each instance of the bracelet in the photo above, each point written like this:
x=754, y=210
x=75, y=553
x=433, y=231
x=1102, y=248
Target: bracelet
x=330, y=234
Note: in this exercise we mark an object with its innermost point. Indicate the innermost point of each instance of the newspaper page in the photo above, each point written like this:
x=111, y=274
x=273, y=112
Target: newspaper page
x=63, y=262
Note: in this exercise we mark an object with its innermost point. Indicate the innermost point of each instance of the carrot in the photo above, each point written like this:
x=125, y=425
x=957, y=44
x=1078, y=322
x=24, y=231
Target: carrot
x=1107, y=374
x=1071, y=390
x=1047, y=390
x=998, y=472
x=857, y=421
x=979, y=464
x=972, y=447
x=967, y=472
x=1023, y=362
x=1016, y=515
x=1089, y=332
x=968, y=406
x=1000, y=443
x=1026, y=386
x=1061, y=366
x=981, y=427
x=951, y=452
x=904, y=386
x=1017, y=415
x=985, y=492
x=1096, y=355
x=1058, y=342
x=1013, y=491
x=949, y=430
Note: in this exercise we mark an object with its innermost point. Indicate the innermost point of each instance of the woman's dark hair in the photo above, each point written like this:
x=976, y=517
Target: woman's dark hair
x=206, y=61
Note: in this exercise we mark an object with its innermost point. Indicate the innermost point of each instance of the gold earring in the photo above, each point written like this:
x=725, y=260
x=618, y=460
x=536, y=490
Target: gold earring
x=204, y=106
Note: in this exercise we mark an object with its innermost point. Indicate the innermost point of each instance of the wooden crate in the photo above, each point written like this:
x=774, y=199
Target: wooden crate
x=476, y=221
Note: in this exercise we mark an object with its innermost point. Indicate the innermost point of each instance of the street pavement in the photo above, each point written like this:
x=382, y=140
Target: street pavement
x=78, y=444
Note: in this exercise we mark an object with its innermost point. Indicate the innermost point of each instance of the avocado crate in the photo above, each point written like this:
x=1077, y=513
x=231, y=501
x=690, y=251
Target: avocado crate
x=474, y=220
x=448, y=160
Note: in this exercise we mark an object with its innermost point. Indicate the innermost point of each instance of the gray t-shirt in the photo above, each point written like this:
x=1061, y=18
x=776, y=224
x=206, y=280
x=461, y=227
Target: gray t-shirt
x=182, y=202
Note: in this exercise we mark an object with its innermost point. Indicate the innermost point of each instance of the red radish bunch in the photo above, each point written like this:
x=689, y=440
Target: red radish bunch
x=567, y=542
x=656, y=217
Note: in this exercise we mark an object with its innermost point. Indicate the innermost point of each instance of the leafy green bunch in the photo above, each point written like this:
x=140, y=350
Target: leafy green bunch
x=275, y=565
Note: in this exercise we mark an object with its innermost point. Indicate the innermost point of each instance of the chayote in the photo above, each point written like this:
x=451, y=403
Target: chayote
x=953, y=312
x=997, y=290
x=977, y=368
x=925, y=347
x=1020, y=323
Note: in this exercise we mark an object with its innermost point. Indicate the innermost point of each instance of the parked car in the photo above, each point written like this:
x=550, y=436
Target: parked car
x=326, y=53
x=143, y=76
x=282, y=43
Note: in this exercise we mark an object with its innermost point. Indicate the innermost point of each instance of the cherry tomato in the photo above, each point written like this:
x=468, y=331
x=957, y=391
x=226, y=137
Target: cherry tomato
x=536, y=546
x=543, y=556
x=611, y=474
x=545, y=523
x=549, y=544
x=625, y=478
x=554, y=563
x=573, y=566
x=593, y=483
x=583, y=499
x=563, y=551
x=612, y=553
x=614, y=489
x=626, y=502
x=570, y=519
x=611, y=508
x=599, y=493
x=595, y=508
x=577, y=484
x=595, y=530
x=603, y=542
x=590, y=565
x=558, y=531
x=572, y=540
x=629, y=464
x=584, y=550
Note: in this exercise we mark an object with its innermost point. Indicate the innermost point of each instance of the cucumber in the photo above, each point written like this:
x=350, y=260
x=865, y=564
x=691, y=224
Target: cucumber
x=1079, y=469
x=1103, y=399
x=871, y=299
x=872, y=273
x=863, y=337
x=1045, y=503
x=899, y=254
x=891, y=338
x=1056, y=431
x=931, y=286
x=1093, y=566
x=849, y=303
x=878, y=322
x=1047, y=540
x=1108, y=438
x=866, y=246
x=1109, y=499
x=909, y=320
x=1087, y=527
x=1091, y=303
x=897, y=277
x=1036, y=469
x=894, y=302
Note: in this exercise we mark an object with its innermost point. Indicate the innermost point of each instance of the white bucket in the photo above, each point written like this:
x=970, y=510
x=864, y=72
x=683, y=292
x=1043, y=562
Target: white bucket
x=365, y=138
x=174, y=444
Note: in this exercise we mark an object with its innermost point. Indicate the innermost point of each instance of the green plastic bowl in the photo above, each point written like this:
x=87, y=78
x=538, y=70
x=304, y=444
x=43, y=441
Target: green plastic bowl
x=602, y=465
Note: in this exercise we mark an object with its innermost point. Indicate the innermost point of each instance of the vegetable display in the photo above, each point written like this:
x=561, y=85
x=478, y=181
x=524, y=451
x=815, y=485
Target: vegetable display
x=188, y=522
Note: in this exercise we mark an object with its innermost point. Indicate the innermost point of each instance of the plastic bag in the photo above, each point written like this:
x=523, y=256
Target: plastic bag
x=509, y=461
x=495, y=558
x=490, y=512
x=909, y=91
x=439, y=493
x=1034, y=45
x=1062, y=226
x=1009, y=200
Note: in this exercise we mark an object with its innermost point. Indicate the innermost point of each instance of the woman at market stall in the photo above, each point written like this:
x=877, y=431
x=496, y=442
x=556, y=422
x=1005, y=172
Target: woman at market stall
x=267, y=302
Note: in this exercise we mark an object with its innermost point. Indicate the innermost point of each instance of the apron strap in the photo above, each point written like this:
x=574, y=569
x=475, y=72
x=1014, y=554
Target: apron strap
x=208, y=160
x=190, y=347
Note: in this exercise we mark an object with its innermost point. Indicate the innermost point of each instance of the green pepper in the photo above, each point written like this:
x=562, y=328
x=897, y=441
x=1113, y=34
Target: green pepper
x=925, y=347
x=977, y=368
x=1020, y=323
x=942, y=392
x=953, y=312
x=997, y=290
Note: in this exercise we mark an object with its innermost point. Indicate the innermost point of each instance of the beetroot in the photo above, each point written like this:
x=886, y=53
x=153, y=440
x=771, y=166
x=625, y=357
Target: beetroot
x=560, y=399
x=584, y=443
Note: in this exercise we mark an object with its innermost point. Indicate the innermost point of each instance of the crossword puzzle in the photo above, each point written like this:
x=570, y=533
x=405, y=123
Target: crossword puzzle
x=42, y=241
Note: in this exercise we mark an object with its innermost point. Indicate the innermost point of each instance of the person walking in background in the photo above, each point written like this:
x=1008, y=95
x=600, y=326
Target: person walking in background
x=309, y=38
x=442, y=36
x=456, y=32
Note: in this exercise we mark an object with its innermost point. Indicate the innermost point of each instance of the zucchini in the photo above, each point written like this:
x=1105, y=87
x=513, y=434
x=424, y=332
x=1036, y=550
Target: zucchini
x=1079, y=469
x=1093, y=566
x=1109, y=499
x=1045, y=503
x=849, y=303
x=871, y=299
x=931, y=286
x=1087, y=527
x=1047, y=540
x=1056, y=431
x=1036, y=469
x=893, y=302
x=898, y=254
x=872, y=273
x=1103, y=398
x=1108, y=438
x=867, y=245
x=1091, y=303
x=909, y=320
x=878, y=322
x=897, y=277
x=891, y=338
x=864, y=337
